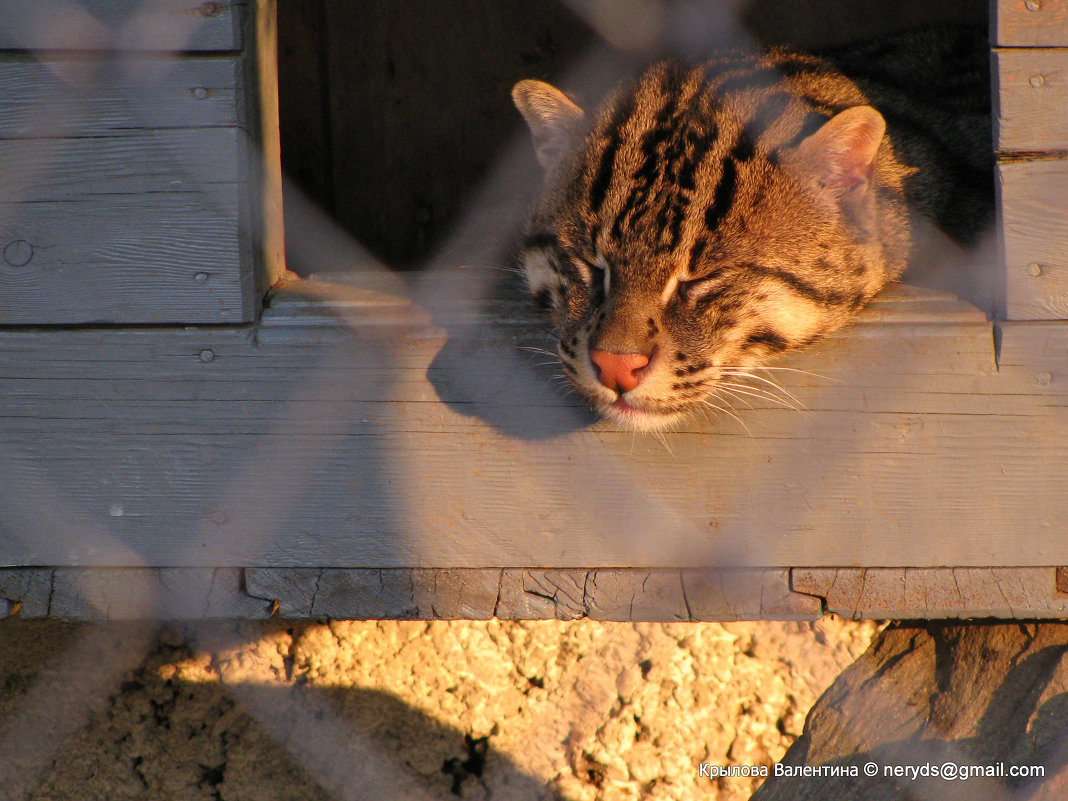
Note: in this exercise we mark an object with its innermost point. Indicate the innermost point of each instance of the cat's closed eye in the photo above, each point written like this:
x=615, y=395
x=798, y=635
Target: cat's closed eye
x=742, y=208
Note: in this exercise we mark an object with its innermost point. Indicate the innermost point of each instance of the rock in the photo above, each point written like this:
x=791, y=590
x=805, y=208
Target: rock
x=937, y=696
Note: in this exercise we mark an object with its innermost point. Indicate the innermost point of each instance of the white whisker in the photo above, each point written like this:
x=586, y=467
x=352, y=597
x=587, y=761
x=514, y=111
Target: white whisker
x=777, y=386
x=663, y=441
x=707, y=402
x=736, y=396
x=543, y=351
x=757, y=392
x=785, y=369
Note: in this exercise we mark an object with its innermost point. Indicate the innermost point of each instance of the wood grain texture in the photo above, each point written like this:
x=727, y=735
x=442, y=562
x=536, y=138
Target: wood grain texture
x=1033, y=216
x=81, y=97
x=1038, y=23
x=138, y=228
x=1030, y=95
x=899, y=593
x=442, y=445
x=133, y=593
x=262, y=151
x=121, y=25
x=138, y=189
x=532, y=594
x=407, y=154
x=303, y=97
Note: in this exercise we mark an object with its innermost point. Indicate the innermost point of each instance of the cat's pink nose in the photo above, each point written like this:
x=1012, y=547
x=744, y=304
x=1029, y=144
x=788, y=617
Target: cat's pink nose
x=619, y=371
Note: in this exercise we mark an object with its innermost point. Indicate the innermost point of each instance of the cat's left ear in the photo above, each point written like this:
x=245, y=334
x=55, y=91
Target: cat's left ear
x=840, y=156
x=552, y=117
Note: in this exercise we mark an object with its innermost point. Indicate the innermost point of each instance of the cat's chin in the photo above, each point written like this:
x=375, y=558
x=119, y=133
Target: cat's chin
x=634, y=418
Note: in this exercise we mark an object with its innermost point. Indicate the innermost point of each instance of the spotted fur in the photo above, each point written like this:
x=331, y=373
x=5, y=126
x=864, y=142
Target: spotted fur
x=712, y=217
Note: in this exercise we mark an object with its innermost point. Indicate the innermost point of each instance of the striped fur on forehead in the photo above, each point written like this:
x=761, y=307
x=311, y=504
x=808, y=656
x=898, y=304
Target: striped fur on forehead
x=673, y=154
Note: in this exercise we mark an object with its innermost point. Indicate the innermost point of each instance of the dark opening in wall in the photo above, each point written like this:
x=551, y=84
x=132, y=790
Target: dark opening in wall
x=393, y=113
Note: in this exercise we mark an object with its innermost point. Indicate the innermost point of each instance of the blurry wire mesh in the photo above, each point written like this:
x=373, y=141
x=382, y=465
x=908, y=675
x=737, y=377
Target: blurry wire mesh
x=594, y=485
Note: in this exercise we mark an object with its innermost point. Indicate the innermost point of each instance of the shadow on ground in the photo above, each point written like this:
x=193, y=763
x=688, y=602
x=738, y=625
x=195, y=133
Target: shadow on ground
x=172, y=727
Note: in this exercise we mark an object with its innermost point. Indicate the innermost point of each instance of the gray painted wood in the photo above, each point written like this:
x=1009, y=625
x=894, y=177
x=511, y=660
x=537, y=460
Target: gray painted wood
x=138, y=228
x=139, y=189
x=126, y=25
x=1033, y=215
x=899, y=593
x=1041, y=23
x=64, y=97
x=370, y=444
x=1030, y=95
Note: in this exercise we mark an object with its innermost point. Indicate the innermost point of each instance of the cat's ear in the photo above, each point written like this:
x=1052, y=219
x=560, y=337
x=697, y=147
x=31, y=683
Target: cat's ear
x=840, y=156
x=552, y=117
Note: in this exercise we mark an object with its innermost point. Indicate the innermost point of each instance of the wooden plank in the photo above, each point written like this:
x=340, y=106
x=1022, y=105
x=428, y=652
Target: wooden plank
x=902, y=593
x=1030, y=23
x=139, y=163
x=122, y=25
x=146, y=92
x=1030, y=95
x=140, y=228
x=416, y=446
x=1033, y=217
x=262, y=218
x=303, y=96
x=138, y=189
x=532, y=594
x=134, y=593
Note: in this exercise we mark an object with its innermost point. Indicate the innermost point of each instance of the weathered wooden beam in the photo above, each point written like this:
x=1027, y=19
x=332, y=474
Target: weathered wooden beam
x=403, y=594
x=262, y=221
x=941, y=592
x=129, y=594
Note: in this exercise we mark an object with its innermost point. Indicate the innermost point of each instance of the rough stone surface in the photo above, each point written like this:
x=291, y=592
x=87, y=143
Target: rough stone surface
x=550, y=710
x=986, y=698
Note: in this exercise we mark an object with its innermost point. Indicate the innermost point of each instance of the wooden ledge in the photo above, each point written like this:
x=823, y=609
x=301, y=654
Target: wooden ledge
x=404, y=426
x=605, y=594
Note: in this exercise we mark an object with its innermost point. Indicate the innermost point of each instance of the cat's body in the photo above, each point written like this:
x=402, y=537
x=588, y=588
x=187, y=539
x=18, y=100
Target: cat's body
x=713, y=217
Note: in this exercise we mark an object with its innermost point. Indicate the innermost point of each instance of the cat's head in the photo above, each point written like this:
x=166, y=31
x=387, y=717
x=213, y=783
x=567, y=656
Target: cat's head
x=684, y=238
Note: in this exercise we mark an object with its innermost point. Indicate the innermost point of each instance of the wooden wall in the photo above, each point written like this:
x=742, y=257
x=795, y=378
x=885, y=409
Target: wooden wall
x=1031, y=137
x=132, y=149
x=393, y=111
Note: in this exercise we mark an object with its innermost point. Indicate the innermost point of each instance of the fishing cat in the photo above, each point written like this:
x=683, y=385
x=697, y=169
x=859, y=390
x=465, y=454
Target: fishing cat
x=711, y=217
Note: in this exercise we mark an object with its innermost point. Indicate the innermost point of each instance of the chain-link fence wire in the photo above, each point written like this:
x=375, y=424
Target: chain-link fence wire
x=606, y=492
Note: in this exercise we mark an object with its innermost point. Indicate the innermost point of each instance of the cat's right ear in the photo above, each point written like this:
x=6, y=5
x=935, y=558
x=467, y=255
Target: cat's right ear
x=552, y=117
